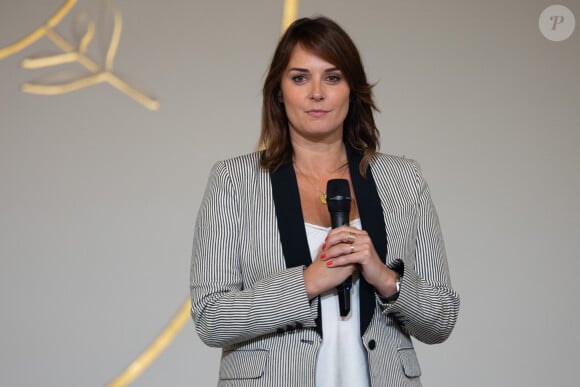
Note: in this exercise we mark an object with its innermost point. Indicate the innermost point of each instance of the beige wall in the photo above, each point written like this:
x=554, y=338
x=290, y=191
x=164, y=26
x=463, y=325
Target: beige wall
x=98, y=195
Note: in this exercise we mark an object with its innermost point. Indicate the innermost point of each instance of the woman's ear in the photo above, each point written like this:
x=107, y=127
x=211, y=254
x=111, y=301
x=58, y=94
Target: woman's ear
x=280, y=97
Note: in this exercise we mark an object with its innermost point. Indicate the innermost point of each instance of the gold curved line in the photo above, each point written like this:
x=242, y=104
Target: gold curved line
x=63, y=88
x=289, y=15
x=147, y=357
x=66, y=47
x=39, y=32
x=115, y=39
x=87, y=38
x=120, y=85
x=49, y=61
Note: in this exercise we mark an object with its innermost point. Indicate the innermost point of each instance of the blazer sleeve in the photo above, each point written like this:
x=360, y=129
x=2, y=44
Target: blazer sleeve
x=224, y=310
x=427, y=307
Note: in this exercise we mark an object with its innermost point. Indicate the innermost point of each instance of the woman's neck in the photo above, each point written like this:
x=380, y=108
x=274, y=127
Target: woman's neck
x=320, y=158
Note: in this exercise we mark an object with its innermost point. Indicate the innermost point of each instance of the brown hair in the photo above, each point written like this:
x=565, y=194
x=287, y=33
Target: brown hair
x=327, y=40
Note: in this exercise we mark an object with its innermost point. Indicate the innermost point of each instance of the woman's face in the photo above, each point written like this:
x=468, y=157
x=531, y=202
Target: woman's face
x=316, y=97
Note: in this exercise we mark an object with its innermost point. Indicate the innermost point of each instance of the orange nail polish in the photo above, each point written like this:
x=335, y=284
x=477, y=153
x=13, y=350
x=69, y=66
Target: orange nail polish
x=329, y=263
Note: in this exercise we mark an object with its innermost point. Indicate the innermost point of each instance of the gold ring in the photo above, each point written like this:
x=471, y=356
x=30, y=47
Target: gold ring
x=351, y=249
x=351, y=237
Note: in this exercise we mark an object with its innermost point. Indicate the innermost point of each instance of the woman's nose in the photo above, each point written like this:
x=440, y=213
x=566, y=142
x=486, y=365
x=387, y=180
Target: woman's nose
x=316, y=92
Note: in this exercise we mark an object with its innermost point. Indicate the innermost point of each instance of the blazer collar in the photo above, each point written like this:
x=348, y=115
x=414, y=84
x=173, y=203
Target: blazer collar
x=293, y=233
x=373, y=222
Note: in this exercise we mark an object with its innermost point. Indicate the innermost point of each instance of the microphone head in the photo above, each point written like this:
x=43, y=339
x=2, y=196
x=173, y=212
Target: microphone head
x=338, y=195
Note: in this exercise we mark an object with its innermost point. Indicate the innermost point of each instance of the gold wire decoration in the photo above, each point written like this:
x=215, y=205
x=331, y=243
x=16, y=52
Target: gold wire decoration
x=148, y=356
x=78, y=54
x=289, y=15
x=39, y=32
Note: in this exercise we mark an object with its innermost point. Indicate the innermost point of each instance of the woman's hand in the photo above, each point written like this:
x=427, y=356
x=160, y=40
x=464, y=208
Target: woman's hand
x=318, y=277
x=347, y=247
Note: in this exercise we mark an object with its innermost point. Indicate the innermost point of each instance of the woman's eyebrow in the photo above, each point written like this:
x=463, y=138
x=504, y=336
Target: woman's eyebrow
x=329, y=70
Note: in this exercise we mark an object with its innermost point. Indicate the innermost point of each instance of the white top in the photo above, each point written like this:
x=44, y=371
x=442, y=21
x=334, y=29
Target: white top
x=342, y=360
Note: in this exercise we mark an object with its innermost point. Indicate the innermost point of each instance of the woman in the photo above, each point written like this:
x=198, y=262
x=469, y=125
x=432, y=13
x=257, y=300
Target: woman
x=266, y=263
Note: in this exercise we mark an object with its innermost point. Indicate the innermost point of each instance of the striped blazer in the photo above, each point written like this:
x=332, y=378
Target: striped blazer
x=247, y=286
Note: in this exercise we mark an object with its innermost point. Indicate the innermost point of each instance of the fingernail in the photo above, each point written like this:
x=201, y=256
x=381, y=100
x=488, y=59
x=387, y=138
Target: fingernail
x=324, y=246
x=329, y=263
x=322, y=256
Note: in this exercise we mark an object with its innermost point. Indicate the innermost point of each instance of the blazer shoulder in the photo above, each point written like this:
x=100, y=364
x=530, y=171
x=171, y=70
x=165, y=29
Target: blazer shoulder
x=385, y=163
x=243, y=164
x=240, y=171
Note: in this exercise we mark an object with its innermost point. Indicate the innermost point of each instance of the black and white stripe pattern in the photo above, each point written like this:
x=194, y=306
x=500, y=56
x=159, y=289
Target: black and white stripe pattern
x=246, y=301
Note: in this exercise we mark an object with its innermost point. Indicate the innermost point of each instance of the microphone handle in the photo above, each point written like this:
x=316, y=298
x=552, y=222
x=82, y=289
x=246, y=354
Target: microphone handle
x=343, y=291
x=338, y=219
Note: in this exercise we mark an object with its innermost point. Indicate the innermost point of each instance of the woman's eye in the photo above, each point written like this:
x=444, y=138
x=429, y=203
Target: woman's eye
x=298, y=78
x=334, y=78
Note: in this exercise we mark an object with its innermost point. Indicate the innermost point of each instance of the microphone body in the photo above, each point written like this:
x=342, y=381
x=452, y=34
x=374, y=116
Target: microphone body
x=338, y=200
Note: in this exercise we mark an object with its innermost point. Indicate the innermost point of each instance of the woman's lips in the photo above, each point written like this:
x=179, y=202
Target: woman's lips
x=317, y=113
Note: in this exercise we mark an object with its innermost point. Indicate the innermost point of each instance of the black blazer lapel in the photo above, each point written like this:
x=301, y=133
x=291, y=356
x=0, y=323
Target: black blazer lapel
x=289, y=216
x=373, y=222
x=291, y=222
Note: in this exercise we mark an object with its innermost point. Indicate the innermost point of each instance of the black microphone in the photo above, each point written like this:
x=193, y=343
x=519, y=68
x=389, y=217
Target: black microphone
x=338, y=201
